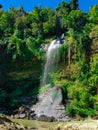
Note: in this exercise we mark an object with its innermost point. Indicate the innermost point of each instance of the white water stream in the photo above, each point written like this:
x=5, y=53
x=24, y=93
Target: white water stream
x=52, y=57
x=50, y=98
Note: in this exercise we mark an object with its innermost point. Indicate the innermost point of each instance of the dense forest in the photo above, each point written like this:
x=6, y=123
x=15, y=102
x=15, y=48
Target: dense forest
x=22, y=36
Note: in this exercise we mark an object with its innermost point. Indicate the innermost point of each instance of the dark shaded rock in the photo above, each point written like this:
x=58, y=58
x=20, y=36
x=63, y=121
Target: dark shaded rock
x=33, y=128
x=3, y=119
x=47, y=119
x=24, y=112
x=29, y=100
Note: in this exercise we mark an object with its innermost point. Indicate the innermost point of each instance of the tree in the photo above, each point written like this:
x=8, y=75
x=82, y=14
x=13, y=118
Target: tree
x=76, y=20
x=51, y=24
x=15, y=47
x=93, y=79
x=94, y=39
x=6, y=24
x=62, y=8
x=33, y=46
x=36, y=17
x=74, y=4
x=71, y=41
x=93, y=14
x=1, y=6
x=62, y=12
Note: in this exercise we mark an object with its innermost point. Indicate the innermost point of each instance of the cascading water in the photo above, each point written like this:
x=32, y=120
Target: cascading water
x=50, y=99
x=52, y=57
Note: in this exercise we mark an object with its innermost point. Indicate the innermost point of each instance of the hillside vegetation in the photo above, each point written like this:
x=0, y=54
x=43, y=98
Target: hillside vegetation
x=22, y=35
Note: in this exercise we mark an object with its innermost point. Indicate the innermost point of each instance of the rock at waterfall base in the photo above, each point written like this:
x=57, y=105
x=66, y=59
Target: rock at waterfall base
x=79, y=125
x=24, y=112
x=50, y=107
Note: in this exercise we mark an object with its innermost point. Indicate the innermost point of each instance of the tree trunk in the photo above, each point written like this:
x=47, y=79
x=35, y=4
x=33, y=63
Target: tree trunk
x=69, y=59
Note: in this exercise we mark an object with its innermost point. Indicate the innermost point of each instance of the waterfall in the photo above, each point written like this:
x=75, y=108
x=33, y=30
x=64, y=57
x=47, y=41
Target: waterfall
x=49, y=106
x=52, y=57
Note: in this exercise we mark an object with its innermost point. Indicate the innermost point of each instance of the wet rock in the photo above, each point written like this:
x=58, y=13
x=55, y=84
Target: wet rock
x=50, y=105
x=21, y=116
x=44, y=47
x=46, y=119
x=24, y=112
x=48, y=108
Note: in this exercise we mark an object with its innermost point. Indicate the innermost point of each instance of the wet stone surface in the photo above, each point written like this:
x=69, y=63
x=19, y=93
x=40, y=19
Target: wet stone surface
x=50, y=107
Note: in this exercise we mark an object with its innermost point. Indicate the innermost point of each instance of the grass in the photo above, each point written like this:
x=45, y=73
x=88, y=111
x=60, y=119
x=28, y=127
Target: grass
x=36, y=124
x=52, y=125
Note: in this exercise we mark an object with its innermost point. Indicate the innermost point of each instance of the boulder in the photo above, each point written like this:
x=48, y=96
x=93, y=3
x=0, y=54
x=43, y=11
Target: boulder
x=48, y=108
x=24, y=112
x=7, y=124
x=50, y=105
x=46, y=119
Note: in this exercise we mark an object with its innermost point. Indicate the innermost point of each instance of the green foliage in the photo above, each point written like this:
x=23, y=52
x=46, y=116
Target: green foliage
x=82, y=101
x=93, y=79
x=94, y=37
x=22, y=36
x=74, y=4
x=73, y=110
x=9, y=100
x=45, y=88
x=93, y=14
x=62, y=8
x=76, y=20
x=33, y=45
x=5, y=24
x=3, y=97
